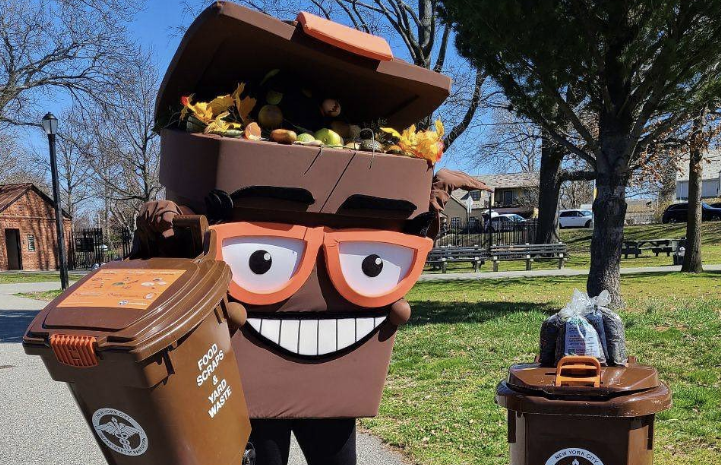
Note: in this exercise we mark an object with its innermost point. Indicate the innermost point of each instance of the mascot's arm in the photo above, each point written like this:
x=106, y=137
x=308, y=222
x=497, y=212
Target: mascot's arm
x=154, y=228
x=445, y=182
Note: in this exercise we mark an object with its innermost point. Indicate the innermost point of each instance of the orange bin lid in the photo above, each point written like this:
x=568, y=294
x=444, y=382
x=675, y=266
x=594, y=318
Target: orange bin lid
x=344, y=37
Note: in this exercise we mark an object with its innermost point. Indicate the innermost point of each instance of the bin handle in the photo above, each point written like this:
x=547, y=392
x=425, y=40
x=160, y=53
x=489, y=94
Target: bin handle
x=578, y=370
x=74, y=350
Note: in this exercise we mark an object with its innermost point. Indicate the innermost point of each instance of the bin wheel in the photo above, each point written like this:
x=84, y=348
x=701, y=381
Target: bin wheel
x=249, y=455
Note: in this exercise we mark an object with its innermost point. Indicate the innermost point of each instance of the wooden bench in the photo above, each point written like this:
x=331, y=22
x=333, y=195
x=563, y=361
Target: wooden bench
x=657, y=246
x=439, y=257
x=529, y=253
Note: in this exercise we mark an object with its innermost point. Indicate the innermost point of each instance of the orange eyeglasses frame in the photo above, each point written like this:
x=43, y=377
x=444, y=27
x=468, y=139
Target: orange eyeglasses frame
x=330, y=239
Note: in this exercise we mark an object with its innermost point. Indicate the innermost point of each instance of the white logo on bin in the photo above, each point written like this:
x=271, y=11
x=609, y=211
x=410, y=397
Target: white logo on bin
x=120, y=432
x=572, y=455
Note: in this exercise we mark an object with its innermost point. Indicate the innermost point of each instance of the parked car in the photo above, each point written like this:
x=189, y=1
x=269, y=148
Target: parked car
x=678, y=213
x=575, y=219
x=507, y=222
x=716, y=205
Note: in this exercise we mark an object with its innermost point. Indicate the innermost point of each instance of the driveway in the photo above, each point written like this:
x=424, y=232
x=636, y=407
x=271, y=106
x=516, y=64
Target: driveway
x=41, y=423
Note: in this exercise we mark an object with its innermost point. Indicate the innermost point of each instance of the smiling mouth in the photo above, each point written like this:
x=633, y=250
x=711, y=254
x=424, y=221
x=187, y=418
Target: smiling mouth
x=313, y=337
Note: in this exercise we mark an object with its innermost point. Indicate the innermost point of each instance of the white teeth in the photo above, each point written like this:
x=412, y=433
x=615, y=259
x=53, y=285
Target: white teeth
x=346, y=332
x=308, y=344
x=315, y=337
x=255, y=323
x=327, y=338
x=364, y=325
x=289, y=334
x=270, y=329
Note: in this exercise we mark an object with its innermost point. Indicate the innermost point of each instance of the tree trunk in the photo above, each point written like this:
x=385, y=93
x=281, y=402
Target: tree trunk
x=609, y=212
x=692, y=258
x=550, y=189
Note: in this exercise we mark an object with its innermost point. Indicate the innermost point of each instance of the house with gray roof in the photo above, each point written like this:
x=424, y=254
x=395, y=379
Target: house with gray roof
x=513, y=193
x=710, y=178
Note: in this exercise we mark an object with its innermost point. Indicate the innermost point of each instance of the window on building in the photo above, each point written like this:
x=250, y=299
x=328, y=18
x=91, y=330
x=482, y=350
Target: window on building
x=456, y=222
x=508, y=197
x=31, y=243
x=476, y=195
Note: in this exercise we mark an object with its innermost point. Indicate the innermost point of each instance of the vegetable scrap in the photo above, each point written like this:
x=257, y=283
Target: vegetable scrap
x=290, y=114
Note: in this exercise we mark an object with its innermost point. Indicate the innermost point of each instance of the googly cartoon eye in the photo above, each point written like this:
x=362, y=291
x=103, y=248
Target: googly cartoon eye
x=262, y=265
x=374, y=268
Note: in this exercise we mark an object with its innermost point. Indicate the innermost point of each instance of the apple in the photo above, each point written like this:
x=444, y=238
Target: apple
x=270, y=117
x=330, y=107
x=306, y=137
x=329, y=137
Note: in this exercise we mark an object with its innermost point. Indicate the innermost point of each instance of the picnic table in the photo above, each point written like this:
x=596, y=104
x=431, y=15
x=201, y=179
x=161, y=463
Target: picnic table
x=657, y=246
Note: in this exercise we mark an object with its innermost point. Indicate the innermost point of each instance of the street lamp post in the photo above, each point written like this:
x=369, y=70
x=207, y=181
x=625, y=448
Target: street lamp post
x=50, y=125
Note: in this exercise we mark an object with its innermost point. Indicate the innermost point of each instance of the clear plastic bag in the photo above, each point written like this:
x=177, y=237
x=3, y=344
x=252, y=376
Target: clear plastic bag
x=584, y=327
x=579, y=335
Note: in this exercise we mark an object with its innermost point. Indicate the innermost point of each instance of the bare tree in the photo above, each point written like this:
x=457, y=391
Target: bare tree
x=576, y=193
x=692, y=259
x=18, y=163
x=75, y=174
x=78, y=47
x=512, y=145
x=121, y=147
x=704, y=129
x=419, y=28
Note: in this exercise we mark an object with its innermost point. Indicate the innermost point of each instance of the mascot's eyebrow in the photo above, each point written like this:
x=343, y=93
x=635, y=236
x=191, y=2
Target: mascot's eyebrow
x=369, y=202
x=294, y=194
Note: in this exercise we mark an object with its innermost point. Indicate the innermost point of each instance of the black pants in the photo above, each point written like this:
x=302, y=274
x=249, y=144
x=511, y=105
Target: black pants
x=323, y=442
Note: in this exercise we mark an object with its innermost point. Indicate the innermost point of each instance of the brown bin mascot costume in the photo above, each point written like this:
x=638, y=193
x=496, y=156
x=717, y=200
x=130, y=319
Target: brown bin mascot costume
x=323, y=243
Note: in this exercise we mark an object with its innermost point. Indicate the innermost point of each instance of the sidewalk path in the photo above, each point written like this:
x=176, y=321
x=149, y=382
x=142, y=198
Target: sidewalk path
x=535, y=273
x=40, y=422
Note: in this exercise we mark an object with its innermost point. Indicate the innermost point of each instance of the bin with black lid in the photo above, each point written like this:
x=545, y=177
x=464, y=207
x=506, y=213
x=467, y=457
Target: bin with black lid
x=145, y=348
x=581, y=413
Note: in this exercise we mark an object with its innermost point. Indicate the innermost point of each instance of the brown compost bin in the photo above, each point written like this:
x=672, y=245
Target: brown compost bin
x=337, y=188
x=145, y=348
x=581, y=413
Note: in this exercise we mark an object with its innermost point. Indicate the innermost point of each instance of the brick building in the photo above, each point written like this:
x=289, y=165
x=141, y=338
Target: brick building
x=27, y=227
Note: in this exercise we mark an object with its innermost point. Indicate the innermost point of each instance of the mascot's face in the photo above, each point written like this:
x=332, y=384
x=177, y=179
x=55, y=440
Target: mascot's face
x=313, y=291
x=323, y=245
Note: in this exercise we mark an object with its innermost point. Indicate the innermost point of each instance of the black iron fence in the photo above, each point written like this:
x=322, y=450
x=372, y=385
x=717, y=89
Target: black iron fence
x=475, y=234
x=95, y=246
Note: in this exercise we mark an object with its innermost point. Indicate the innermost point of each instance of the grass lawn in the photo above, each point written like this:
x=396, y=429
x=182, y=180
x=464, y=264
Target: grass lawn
x=438, y=406
x=579, y=246
x=41, y=295
x=9, y=277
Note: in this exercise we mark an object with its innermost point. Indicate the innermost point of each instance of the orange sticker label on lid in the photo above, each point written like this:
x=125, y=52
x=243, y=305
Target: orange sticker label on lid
x=122, y=288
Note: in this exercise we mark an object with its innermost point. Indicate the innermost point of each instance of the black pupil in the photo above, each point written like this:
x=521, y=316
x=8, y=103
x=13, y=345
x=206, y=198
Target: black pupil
x=260, y=262
x=372, y=265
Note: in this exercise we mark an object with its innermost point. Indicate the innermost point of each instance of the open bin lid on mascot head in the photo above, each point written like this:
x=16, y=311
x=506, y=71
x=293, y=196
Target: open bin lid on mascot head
x=302, y=185
x=228, y=44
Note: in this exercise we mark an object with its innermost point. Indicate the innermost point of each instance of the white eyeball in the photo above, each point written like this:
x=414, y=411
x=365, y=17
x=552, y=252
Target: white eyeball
x=262, y=265
x=374, y=268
